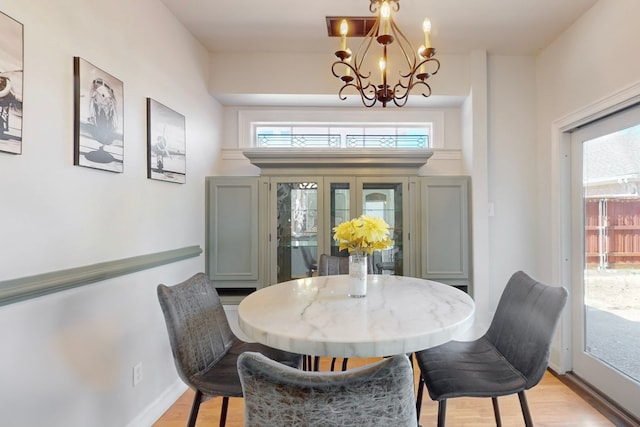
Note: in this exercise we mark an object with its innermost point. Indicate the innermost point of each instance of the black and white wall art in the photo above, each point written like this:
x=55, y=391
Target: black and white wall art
x=98, y=118
x=166, y=143
x=11, y=71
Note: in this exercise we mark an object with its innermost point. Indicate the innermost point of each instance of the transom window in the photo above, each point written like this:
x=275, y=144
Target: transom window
x=341, y=128
x=358, y=136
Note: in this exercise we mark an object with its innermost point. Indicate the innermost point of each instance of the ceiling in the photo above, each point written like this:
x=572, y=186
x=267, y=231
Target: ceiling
x=509, y=27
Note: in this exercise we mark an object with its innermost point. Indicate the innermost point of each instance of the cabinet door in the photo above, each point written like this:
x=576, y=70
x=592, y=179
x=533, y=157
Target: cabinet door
x=387, y=198
x=296, y=214
x=340, y=203
x=445, y=229
x=233, y=239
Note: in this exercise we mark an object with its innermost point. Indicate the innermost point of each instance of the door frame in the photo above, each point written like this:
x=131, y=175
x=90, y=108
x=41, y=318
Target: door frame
x=605, y=378
x=560, y=206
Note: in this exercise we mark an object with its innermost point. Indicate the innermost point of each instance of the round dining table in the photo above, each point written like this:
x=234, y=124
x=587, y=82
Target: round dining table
x=315, y=316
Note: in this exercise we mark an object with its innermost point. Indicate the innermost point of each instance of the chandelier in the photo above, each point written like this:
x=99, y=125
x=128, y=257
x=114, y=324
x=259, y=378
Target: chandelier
x=412, y=71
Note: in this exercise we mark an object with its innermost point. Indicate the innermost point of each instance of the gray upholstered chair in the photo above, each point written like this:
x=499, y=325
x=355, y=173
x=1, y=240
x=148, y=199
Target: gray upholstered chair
x=330, y=264
x=379, y=394
x=309, y=261
x=204, y=348
x=510, y=358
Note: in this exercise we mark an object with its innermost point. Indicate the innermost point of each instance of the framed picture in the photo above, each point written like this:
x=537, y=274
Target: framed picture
x=11, y=68
x=166, y=144
x=98, y=118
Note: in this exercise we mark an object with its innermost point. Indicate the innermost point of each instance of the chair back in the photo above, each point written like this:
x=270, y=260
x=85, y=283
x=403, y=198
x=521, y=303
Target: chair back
x=309, y=261
x=524, y=323
x=198, y=328
x=380, y=394
x=329, y=265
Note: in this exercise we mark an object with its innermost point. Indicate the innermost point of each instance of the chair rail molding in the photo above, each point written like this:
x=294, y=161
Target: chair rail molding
x=42, y=284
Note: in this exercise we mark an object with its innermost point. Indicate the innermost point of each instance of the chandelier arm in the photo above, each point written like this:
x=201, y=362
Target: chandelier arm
x=368, y=102
x=404, y=45
x=363, y=48
x=402, y=89
x=400, y=101
x=430, y=60
x=359, y=73
x=359, y=86
x=333, y=68
x=426, y=93
x=362, y=89
x=341, y=63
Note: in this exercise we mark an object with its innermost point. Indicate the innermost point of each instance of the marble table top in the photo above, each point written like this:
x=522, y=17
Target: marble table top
x=315, y=316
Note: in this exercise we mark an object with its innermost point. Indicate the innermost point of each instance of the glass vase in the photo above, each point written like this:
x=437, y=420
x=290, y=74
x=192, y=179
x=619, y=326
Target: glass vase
x=357, y=275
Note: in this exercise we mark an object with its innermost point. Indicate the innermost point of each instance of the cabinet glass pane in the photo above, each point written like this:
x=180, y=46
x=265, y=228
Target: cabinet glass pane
x=384, y=201
x=297, y=229
x=340, y=211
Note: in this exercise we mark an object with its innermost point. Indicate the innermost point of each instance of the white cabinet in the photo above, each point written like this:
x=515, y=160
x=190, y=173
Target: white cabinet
x=265, y=230
x=234, y=240
x=444, y=237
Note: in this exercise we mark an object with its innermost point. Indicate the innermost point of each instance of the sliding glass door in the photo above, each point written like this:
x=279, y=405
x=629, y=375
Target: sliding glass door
x=606, y=253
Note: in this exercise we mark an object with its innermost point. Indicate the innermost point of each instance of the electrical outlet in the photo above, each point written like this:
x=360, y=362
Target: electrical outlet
x=137, y=374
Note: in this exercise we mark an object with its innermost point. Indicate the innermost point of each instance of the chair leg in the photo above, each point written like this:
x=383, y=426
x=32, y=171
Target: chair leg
x=195, y=407
x=496, y=411
x=333, y=364
x=223, y=411
x=419, y=396
x=310, y=363
x=344, y=363
x=528, y=421
x=442, y=412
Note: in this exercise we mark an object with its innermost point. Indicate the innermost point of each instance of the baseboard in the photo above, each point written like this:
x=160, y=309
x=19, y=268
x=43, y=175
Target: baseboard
x=618, y=416
x=154, y=411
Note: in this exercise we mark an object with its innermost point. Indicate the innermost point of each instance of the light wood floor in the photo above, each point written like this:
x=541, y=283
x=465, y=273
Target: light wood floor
x=551, y=403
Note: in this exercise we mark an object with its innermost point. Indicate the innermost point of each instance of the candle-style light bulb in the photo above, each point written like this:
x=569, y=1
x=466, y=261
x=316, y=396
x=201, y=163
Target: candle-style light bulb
x=426, y=27
x=382, y=64
x=348, y=73
x=422, y=52
x=344, y=29
x=385, y=13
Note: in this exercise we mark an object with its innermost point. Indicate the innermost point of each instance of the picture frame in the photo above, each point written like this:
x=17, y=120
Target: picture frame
x=98, y=118
x=11, y=84
x=166, y=143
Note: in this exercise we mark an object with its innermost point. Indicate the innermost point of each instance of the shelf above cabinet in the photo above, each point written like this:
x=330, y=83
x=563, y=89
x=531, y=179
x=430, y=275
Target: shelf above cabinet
x=357, y=161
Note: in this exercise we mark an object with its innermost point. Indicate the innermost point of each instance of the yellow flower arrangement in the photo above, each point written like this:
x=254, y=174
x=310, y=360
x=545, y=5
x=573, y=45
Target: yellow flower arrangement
x=363, y=234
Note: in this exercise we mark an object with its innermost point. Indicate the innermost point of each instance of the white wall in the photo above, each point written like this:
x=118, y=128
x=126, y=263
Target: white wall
x=511, y=169
x=495, y=132
x=67, y=358
x=264, y=73
x=594, y=59
x=585, y=69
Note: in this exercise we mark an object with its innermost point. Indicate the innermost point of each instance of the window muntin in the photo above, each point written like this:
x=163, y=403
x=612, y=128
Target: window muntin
x=361, y=136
